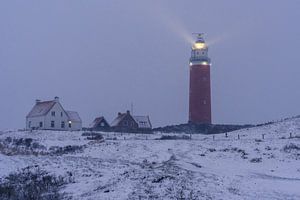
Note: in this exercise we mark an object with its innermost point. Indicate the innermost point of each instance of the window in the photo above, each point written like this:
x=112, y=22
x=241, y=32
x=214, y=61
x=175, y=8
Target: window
x=70, y=124
x=41, y=124
x=61, y=114
x=204, y=102
x=52, y=124
x=102, y=124
x=53, y=113
x=62, y=124
x=29, y=124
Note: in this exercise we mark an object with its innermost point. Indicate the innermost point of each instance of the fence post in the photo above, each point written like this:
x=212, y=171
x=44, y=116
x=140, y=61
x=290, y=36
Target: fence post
x=238, y=136
x=226, y=135
x=213, y=137
x=290, y=135
x=190, y=136
x=263, y=136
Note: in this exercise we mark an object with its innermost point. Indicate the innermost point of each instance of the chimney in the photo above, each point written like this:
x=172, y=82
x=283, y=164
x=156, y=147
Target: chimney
x=128, y=112
x=37, y=101
x=119, y=114
x=56, y=99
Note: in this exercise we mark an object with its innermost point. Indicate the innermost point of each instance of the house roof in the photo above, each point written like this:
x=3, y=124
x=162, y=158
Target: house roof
x=97, y=121
x=143, y=121
x=41, y=108
x=120, y=117
x=73, y=116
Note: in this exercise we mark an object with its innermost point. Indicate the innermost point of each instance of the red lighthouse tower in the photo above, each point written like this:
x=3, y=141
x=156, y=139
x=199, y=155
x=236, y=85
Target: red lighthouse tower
x=200, y=97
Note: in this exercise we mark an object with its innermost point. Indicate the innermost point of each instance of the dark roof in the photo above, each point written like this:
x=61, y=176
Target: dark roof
x=41, y=108
x=97, y=121
x=120, y=117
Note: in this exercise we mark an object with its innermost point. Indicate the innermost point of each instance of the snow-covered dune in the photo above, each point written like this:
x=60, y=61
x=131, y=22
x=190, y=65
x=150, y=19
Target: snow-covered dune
x=256, y=163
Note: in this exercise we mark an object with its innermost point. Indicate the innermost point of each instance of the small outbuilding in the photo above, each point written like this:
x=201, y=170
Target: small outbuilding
x=100, y=123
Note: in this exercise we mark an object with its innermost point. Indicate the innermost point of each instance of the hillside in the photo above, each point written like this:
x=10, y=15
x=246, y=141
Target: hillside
x=200, y=128
x=242, y=165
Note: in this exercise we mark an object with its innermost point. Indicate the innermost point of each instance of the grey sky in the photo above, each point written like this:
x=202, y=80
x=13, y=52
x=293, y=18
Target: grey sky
x=99, y=56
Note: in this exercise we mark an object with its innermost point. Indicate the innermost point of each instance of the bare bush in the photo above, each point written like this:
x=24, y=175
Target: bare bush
x=256, y=160
x=174, y=137
x=32, y=183
x=56, y=150
x=93, y=136
x=20, y=146
x=291, y=147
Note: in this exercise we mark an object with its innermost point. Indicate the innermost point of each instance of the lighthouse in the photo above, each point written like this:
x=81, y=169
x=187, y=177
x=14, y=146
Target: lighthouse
x=200, y=92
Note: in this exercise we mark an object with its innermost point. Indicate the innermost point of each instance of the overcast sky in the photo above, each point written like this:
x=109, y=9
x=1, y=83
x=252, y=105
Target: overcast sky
x=101, y=56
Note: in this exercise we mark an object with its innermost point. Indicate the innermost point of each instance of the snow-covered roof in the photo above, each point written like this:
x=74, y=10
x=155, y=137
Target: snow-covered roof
x=41, y=108
x=73, y=116
x=118, y=119
x=143, y=121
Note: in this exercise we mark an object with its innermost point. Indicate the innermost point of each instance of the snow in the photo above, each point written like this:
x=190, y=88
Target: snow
x=73, y=116
x=143, y=121
x=138, y=166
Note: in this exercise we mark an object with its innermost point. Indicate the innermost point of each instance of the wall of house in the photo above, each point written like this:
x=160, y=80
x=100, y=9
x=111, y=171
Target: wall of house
x=57, y=108
x=75, y=126
x=128, y=122
x=35, y=122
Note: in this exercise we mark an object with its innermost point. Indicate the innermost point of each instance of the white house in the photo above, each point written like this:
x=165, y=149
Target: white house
x=50, y=115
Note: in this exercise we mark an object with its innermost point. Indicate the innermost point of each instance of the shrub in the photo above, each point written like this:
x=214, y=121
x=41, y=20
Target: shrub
x=20, y=146
x=66, y=149
x=93, y=136
x=174, y=137
x=212, y=150
x=290, y=147
x=256, y=160
x=32, y=183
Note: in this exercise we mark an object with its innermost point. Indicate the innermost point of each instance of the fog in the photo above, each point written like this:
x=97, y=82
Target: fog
x=100, y=57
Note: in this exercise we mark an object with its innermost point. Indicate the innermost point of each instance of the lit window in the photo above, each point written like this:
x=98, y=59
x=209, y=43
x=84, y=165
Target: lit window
x=70, y=124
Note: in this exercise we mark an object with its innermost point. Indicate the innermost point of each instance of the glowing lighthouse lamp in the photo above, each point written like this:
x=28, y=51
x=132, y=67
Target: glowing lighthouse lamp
x=199, y=53
x=200, y=92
